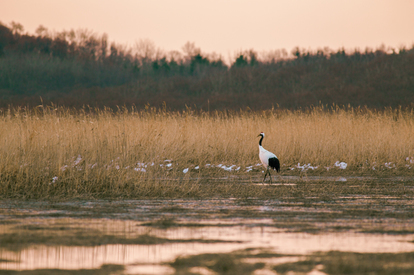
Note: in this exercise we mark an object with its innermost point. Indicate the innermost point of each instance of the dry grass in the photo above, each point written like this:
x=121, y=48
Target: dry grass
x=98, y=153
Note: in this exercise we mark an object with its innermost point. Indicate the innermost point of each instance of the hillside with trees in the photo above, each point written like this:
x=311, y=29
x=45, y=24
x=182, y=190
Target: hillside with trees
x=81, y=68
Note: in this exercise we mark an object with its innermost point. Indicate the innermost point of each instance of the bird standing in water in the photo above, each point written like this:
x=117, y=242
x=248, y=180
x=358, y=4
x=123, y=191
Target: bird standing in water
x=268, y=159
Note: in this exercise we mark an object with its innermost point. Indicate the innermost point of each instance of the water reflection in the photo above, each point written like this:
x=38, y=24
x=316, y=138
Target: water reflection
x=81, y=257
x=87, y=235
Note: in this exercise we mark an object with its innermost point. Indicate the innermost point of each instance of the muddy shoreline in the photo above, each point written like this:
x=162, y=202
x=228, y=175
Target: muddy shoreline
x=300, y=227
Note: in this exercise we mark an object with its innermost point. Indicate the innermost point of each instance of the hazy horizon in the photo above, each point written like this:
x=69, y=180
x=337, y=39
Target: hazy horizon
x=226, y=27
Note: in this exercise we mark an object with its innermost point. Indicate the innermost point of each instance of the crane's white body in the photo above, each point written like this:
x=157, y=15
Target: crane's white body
x=264, y=156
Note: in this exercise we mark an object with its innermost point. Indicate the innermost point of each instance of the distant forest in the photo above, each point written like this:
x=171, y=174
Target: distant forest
x=80, y=68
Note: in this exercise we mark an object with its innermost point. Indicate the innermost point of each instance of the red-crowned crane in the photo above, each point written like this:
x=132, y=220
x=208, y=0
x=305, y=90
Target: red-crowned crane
x=268, y=159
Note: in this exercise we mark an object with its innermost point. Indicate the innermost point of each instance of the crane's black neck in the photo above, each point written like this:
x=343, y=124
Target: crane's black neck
x=260, y=141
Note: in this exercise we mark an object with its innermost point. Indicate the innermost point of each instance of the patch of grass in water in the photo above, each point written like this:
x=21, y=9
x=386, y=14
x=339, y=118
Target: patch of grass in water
x=300, y=267
x=6, y=261
x=166, y=223
x=25, y=238
x=172, y=209
x=34, y=227
x=335, y=262
x=389, y=231
x=219, y=262
x=162, y=223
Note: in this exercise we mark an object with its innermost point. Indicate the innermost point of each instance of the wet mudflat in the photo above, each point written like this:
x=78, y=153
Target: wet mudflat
x=336, y=226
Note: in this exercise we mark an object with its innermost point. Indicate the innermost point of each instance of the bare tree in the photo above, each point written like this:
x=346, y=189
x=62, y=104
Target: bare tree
x=146, y=51
x=41, y=31
x=17, y=28
x=190, y=50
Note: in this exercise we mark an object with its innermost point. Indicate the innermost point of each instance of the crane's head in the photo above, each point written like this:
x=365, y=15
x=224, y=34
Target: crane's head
x=261, y=134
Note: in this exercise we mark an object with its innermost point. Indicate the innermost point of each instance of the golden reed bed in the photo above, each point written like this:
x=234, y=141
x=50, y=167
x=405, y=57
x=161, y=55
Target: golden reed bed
x=48, y=146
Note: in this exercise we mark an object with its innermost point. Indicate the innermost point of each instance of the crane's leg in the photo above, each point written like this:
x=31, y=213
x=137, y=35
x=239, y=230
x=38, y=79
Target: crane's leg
x=270, y=175
x=265, y=177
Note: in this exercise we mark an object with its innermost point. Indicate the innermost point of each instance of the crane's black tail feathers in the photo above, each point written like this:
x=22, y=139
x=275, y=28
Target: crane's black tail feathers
x=274, y=164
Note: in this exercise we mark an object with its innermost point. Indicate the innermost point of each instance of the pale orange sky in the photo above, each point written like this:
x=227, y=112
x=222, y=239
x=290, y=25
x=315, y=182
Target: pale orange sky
x=226, y=26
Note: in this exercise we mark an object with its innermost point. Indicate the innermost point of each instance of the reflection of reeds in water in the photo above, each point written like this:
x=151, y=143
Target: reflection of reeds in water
x=79, y=147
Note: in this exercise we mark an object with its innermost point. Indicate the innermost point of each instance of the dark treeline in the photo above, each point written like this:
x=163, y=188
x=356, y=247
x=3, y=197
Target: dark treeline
x=80, y=68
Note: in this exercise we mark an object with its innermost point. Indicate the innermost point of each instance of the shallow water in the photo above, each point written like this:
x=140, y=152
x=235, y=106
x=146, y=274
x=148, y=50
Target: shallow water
x=136, y=257
x=147, y=236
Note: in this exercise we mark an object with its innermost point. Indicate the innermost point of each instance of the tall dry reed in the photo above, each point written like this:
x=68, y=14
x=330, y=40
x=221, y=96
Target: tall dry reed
x=98, y=152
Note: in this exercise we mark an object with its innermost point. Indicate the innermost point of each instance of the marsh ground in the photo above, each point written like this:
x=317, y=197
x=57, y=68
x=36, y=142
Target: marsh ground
x=364, y=225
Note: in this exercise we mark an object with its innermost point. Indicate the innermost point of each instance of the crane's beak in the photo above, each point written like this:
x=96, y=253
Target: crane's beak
x=259, y=135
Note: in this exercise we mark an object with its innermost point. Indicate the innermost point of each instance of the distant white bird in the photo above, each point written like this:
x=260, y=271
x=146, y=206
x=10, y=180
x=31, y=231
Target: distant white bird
x=268, y=159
